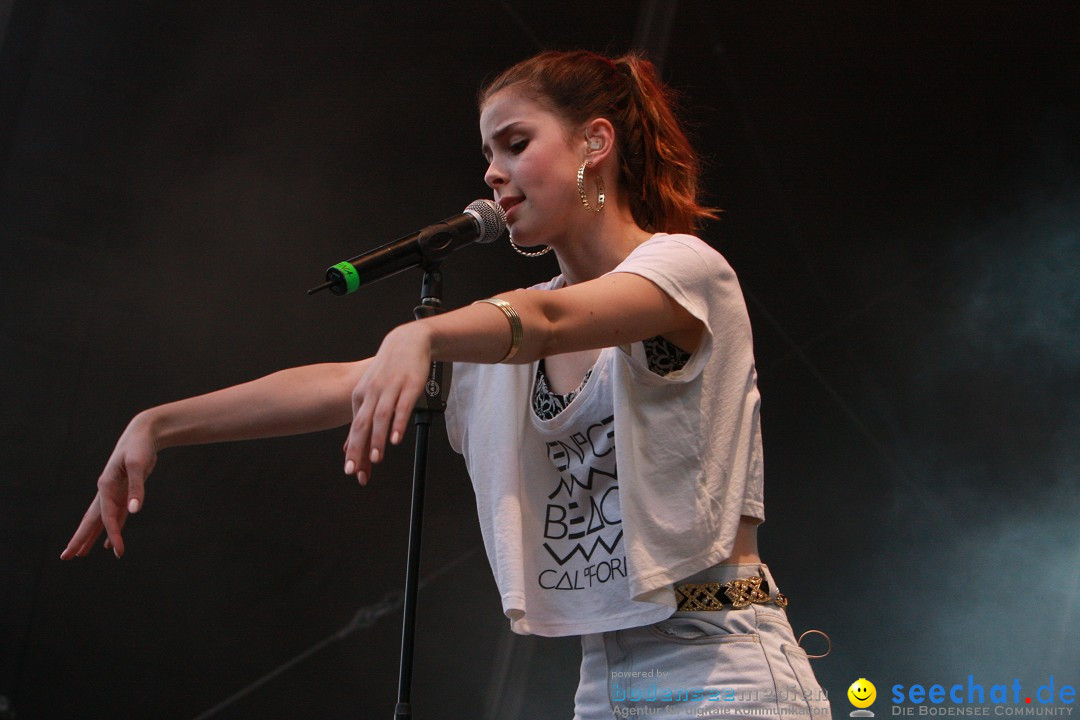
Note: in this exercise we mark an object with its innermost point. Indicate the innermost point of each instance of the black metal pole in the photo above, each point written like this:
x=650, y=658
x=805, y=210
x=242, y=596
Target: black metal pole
x=403, y=709
x=433, y=402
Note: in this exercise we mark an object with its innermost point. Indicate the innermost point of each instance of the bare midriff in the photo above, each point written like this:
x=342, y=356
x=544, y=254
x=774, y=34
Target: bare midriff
x=745, y=550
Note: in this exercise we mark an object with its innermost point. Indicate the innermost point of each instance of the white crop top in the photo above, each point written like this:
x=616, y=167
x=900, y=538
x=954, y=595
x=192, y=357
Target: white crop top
x=567, y=558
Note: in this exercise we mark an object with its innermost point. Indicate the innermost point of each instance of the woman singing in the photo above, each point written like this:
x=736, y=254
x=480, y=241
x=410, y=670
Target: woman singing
x=608, y=417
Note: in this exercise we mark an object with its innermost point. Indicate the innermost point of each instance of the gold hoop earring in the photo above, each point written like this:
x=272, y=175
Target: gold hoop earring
x=526, y=253
x=581, y=188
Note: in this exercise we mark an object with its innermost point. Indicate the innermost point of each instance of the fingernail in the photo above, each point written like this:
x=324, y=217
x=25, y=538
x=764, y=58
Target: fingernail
x=133, y=505
x=350, y=467
x=374, y=454
x=116, y=552
x=395, y=437
x=362, y=478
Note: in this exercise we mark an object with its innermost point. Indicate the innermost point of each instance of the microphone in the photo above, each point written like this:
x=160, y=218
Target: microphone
x=482, y=221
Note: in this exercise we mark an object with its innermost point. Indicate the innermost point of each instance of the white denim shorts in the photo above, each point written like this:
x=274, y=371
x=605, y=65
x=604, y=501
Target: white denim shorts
x=724, y=663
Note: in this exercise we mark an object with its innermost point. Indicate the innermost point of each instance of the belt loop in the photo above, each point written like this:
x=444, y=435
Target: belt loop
x=773, y=590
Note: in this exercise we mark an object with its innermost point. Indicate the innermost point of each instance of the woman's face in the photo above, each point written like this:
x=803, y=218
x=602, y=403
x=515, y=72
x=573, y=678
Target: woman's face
x=533, y=157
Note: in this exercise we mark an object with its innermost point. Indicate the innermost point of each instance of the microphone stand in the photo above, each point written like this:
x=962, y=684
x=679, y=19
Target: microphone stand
x=432, y=403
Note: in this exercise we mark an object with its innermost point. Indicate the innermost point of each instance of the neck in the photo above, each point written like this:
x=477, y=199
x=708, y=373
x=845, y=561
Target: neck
x=602, y=243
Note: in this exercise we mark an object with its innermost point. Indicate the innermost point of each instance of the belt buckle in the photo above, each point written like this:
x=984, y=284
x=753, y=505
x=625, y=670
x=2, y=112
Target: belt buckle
x=739, y=593
x=743, y=592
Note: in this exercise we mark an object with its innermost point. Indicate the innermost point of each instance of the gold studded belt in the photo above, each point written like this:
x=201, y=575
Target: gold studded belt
x=735, y=594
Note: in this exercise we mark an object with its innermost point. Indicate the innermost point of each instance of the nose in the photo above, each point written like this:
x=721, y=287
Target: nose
x=494, y=176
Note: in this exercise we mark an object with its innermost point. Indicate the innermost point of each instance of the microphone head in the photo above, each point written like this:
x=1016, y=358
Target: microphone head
x=490, y=217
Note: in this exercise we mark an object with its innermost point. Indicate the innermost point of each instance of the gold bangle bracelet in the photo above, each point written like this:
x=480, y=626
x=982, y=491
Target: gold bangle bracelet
x=516, y=331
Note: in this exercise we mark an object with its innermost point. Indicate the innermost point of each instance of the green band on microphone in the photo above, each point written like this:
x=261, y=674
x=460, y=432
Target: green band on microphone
x=352, y=279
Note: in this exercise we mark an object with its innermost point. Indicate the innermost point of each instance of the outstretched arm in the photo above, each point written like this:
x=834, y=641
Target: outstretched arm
x=290, y=402
x=612, y=310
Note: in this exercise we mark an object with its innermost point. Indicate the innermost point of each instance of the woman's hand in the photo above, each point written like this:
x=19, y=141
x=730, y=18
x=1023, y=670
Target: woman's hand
x=121, y=490
x=384, y=398
x=289, y=402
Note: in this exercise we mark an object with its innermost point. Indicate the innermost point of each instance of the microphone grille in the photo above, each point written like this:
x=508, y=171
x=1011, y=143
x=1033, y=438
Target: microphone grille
x=491, y=217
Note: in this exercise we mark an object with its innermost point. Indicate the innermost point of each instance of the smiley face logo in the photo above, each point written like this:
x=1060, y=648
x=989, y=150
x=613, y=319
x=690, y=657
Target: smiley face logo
x=862, y=693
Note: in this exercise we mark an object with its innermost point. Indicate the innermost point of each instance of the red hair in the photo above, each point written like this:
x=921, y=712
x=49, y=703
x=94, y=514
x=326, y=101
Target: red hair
x=657, y=165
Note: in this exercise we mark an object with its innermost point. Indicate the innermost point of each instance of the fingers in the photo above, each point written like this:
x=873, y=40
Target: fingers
x=405, y=406
x=124, y=498
x=85, y=535
x=80, y=543
x=375, y=418
x=113, y=518
x=357, y=455
x=121, y=490
x=136, y=485
x=383, y=399
x=385, y=414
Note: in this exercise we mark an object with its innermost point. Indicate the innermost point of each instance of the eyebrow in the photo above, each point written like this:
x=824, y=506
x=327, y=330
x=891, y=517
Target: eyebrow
x=485, y=148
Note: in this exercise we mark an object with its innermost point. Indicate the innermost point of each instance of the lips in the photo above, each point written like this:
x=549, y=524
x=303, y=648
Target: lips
x=508, y=204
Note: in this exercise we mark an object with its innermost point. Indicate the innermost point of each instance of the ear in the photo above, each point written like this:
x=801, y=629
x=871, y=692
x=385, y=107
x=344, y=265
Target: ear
x=599, y=140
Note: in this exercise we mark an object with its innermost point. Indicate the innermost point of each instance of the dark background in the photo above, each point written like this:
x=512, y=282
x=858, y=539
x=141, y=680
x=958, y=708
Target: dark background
x=901, y=186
